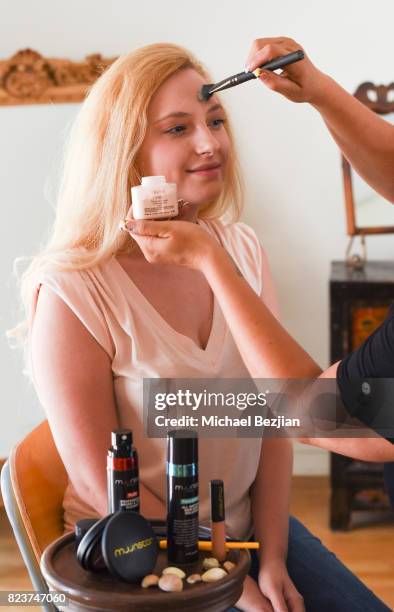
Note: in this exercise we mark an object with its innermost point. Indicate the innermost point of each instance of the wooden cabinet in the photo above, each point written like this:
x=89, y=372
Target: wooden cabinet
x=359, y=300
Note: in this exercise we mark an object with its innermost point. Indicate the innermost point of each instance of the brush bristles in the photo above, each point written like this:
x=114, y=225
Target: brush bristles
x=204, y=94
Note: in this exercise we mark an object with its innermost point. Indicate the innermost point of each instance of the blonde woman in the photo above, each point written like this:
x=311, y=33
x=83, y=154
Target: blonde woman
x=101, y=318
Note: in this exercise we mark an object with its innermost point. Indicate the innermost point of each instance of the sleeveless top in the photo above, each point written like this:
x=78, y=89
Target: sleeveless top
x=141, y=344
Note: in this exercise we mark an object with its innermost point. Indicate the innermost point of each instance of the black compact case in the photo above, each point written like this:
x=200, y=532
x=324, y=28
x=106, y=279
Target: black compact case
x=89, y=552
x=123, y=542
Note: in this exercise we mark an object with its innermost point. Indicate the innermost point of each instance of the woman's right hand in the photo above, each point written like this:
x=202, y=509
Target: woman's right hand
x=299, y=82
x=252, y=599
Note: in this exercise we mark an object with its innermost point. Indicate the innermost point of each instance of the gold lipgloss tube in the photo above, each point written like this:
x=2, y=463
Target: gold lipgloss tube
x=217, y=520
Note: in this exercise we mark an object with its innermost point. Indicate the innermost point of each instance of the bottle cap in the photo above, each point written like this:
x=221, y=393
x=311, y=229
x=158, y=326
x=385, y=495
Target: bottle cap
x=217, y=501
x=121, y=438
x=153, y=181
x=121, y=443
x=182, y=447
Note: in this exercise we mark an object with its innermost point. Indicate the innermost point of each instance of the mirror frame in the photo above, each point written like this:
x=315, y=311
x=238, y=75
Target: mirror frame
x=382, y=106
x=29, y=78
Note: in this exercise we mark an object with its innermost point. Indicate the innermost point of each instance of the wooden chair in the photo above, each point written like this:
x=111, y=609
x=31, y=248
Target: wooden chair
x=33, y=481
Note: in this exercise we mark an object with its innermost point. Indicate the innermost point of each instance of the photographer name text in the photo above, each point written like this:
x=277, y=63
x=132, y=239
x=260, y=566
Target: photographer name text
x=226, y=421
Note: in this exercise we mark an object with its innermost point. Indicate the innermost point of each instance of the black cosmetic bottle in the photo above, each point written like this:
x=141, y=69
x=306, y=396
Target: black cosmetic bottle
x=182, y=496
x=122, y=473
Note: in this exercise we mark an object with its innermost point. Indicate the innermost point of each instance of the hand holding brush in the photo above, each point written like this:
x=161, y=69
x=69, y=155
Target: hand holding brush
x=208, y=90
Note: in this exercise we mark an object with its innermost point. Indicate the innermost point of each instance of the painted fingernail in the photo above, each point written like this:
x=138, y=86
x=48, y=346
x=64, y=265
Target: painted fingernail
x=127, y=225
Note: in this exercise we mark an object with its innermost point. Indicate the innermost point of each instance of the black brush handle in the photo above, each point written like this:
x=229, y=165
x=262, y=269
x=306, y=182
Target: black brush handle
x=274, y=64
x=283, y=60
x=242, y=77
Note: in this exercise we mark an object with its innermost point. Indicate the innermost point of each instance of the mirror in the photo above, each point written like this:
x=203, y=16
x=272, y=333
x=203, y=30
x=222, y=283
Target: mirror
x=367, y=212
x=371, y=209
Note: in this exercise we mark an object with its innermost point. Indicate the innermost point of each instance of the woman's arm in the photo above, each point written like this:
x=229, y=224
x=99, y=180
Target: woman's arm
x=365, y=139
x=74, y=383
x=270, y=352
x=270, y=497
x=265, y=346
x=374, y=448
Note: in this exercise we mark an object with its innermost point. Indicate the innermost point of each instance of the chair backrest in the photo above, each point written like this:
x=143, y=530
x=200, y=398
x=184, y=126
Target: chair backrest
x=38, y=480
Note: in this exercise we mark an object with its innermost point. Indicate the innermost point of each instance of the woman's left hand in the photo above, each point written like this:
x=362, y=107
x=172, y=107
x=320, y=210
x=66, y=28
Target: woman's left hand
x=276, y=585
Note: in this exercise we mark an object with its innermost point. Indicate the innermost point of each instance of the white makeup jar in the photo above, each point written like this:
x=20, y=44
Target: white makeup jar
x=154, y=198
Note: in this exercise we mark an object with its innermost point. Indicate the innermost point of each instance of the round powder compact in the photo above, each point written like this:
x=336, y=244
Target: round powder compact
x=129, y=546
x=89, y=548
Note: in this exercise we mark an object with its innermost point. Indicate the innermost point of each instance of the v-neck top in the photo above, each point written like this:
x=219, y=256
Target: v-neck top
x=141, y=344
x=154, y=318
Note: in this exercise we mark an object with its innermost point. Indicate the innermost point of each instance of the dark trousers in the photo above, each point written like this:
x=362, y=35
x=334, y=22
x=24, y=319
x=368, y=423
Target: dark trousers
x=324, y=582
x=389, y=481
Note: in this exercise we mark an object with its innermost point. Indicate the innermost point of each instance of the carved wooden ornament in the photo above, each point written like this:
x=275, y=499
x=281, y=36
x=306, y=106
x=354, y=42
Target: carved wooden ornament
x=29, y=78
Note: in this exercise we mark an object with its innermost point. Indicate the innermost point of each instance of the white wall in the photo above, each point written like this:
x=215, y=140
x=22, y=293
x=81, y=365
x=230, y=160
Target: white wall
x=292, y=168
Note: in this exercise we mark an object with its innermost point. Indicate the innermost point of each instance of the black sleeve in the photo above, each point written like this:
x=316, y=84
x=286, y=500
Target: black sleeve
x=366, y=380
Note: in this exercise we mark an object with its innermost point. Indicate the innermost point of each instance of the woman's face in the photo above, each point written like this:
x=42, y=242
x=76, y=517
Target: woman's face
x=186, y=140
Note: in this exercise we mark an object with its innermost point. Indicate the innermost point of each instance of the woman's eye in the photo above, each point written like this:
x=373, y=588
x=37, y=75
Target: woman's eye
x=177, y=129
x=217, y=123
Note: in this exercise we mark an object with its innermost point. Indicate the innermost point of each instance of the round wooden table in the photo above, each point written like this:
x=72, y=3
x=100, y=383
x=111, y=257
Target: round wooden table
x=101, y=591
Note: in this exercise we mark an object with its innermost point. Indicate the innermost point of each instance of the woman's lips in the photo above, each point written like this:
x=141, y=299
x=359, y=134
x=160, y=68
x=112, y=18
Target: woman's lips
x=209, y=172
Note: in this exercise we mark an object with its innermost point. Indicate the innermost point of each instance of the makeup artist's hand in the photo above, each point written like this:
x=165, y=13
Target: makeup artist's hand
x=278, y=588
x=173, y=242
x=299, y=82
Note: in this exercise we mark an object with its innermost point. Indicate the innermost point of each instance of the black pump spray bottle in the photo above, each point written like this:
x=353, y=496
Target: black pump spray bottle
x=122, y=473
x=182, y=496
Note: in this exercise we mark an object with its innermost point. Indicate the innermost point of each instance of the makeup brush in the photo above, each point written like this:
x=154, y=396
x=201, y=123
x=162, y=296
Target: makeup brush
x=207, y=545
x=207, y=91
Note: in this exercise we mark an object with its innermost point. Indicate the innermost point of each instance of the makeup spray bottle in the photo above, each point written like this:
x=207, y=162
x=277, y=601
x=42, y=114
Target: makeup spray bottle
x=182, y=496
x=122, y=473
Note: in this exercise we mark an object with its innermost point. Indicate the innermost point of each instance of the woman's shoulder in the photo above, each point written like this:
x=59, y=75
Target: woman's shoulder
x=74, y=278
x=89, y=291
x=83, y=291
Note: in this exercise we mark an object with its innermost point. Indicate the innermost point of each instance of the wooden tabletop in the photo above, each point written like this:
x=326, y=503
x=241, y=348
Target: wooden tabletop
x=102, y=591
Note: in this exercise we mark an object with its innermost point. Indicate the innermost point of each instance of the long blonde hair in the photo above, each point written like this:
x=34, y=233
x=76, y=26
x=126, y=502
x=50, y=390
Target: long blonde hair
x=100, y=166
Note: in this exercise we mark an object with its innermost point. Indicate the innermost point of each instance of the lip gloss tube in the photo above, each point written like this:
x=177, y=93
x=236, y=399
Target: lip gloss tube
x=218, y=526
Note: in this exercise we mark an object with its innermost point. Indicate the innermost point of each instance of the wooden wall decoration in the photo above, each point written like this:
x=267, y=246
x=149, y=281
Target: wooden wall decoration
x=29, y=78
